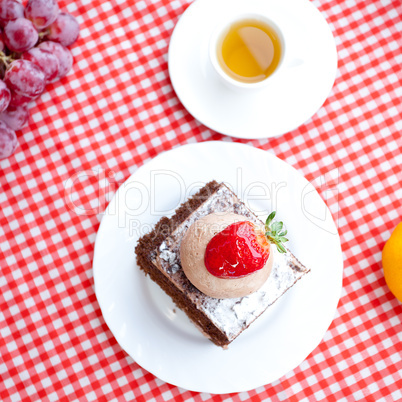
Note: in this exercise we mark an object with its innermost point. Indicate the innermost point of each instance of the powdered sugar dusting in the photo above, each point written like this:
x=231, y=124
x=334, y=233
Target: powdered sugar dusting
x=233, y=315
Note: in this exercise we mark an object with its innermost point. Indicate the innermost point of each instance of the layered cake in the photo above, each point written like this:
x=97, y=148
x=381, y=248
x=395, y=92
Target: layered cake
x=220, y=305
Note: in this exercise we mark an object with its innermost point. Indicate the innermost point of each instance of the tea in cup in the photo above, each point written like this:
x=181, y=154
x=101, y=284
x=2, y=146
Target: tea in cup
x=247, y=51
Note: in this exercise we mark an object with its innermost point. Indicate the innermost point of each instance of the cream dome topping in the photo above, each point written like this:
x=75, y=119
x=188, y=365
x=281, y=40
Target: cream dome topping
x=192, y=253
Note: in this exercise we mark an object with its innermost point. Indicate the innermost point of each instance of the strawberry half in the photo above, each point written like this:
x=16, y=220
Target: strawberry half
x=242, y=248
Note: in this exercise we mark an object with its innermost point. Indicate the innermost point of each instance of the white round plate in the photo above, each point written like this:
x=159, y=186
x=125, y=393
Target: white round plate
x=155, y=333
x=291, y=97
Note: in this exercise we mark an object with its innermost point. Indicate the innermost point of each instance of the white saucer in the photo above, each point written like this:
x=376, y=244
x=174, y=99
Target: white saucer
x=294, y=93
x=159, y=336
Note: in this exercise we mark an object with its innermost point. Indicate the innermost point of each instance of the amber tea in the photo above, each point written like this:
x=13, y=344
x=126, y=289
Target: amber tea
x=249, y=50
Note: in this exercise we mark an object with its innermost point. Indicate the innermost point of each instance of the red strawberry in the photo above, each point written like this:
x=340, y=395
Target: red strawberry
x=242, y=248
x=237, y=251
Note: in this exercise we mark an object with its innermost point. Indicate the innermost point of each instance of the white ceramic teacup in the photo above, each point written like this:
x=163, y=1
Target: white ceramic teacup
x=222, y=29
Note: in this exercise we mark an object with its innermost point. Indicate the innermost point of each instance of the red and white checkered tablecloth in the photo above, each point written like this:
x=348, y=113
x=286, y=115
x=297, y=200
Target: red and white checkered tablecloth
x=116, y=111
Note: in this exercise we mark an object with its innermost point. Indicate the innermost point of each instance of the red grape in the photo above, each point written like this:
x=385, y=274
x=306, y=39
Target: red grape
x=8, y=141
x=2, y=49
x=2, y=45
x=41, y=12
x=5, y=96
x=20, y=35
x=10, y=10
x=25, y=78
x=19, y=100
x=63, y=55
x=16, y=117
x=27, y=69
x=64, y=29
x=45, y=60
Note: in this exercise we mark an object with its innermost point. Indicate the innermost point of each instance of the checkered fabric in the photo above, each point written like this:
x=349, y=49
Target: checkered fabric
x=116, y=111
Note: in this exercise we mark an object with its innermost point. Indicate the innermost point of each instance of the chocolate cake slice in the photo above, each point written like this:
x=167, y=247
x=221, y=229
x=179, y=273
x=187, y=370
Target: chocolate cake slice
x=220, y=320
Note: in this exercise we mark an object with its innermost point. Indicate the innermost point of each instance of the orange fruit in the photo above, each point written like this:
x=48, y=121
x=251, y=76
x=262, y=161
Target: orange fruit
x=392, y=262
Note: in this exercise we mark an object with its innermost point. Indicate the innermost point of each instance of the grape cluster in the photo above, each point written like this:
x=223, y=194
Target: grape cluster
x=33, y=53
